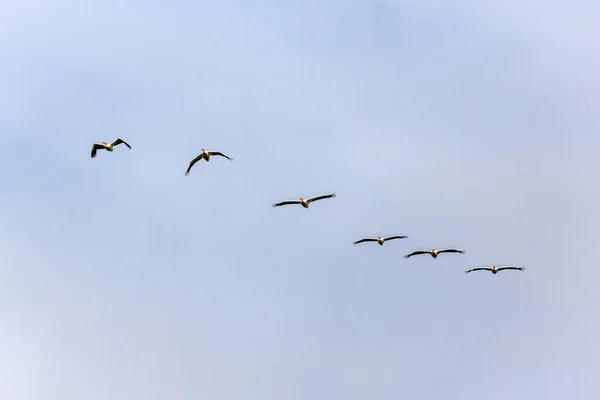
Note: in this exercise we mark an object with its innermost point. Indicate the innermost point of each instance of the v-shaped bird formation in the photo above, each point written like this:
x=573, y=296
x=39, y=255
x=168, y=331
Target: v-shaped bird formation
x=306, y=202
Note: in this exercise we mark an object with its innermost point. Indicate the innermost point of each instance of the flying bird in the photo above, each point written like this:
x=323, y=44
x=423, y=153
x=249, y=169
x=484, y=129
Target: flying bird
x=380, y=240
x=108, y=146
x=205, y=155
x=304, y=202
x=494, y=270
x=433, y=252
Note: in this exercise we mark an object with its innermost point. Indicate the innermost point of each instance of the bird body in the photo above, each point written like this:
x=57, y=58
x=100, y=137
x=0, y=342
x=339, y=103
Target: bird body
x=305, y=202
x=205, y=155
x=380, y=240
x=494, y=269
x=107, y=146
x=433, y=252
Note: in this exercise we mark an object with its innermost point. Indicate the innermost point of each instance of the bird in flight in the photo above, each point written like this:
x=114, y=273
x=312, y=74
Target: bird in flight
x=305, y=202
x=494, y=270
x=108, y=146
x=380, y=240
x=205, y=155
x=433, y=252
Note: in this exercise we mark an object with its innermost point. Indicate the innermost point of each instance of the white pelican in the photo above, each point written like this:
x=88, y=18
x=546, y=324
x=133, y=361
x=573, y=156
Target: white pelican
x=205, y=155
x=108, y=146
x=380, y=240
x=433, y=252
x=304, y=202
x=494, y=270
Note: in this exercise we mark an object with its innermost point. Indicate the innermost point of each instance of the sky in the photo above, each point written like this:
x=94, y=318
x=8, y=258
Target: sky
x=470, y=125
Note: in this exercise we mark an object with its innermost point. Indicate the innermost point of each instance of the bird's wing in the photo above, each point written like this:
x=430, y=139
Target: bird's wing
x=283, y=203
x=450, y=251
x=119, y=141
x=395, y=237
x=95, y=148
x=478, y=269
x=416, y=253
x=365, y=240
x=218, y=153
x=194, y=161
x=517, y=268
x=325, y=196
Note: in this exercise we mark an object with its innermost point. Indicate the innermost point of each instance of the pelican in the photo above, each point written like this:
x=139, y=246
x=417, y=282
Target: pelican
x=108, y=146
x=433, y=252
x=380, y=240
x=494, y=270
x=205, y=155
x=304, y=202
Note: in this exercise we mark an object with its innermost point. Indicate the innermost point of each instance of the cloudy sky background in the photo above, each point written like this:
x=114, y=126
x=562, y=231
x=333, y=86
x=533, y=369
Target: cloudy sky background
x=471, y=125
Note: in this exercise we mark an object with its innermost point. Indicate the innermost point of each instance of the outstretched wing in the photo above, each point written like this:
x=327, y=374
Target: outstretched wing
x=451, y=251
x=95, y=148
x=218, y=153
x=416, y=253
x=119, y=141
x=326, y=196
x=283, y=203
x=194, y=161
x=517, y=268
x=365, y=240
x=395, y=237
x=478, y=269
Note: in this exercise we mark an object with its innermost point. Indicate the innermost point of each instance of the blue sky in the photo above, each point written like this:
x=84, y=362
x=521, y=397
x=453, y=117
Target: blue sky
x=469, y=125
